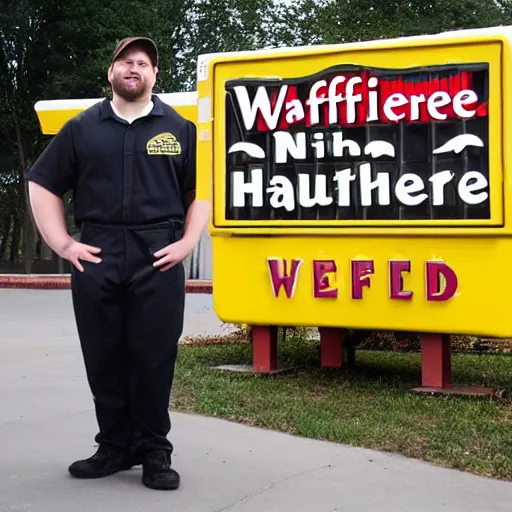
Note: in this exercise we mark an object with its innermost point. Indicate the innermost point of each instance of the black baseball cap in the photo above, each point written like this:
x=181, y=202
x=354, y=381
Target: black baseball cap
x=146, y=42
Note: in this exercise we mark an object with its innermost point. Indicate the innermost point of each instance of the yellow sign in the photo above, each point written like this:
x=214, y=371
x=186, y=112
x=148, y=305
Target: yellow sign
x=362, y=185
x=53, y=114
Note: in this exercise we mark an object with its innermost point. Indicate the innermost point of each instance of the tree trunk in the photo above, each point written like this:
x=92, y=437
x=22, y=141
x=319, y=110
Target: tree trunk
x=5, y=236
x=15, y=241
x=30, y=233
x=29, y=228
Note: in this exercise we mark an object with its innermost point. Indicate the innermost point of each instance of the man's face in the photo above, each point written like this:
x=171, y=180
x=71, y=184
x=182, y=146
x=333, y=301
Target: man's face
x=132, y=75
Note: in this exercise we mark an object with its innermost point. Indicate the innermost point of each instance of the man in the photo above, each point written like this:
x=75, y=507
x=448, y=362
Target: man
x=131, y=164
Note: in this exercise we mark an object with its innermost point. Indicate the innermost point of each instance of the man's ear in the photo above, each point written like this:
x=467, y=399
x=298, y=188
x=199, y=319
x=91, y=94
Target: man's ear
x=109, y=72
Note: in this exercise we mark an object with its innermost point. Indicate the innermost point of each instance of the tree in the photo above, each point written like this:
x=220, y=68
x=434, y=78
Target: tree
x=341, y=21
x=51, y=49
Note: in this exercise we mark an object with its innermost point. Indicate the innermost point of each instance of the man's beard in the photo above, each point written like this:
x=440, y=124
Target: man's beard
x=127, y=92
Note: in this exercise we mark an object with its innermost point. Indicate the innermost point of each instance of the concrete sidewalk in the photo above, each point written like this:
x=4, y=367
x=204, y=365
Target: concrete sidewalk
x=47, y=421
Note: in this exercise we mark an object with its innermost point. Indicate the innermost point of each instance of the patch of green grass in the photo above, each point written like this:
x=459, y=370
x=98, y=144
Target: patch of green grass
x=367, y=407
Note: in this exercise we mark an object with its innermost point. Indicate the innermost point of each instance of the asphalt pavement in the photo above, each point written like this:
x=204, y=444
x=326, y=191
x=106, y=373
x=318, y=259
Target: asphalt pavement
x=47, y=421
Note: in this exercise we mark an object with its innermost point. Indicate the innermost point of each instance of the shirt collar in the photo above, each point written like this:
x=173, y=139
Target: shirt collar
x=106, y=111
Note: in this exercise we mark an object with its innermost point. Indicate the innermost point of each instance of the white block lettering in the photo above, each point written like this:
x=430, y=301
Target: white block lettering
x=407, y=185
x=415, y=105
x=439, y=180
x=285, y=143
x=314, y=101
x=343, y=179
x=393, y=101
x=334, y=98
x=294, y=111
x=283, y=195
x=319, y=145
x=381, y=183
x=438, y=99
x=262, y=103
x=351, y=99
x=320, y=198
x=465, y=97
x=253, y=188
x=339, y=145
x=466, y=190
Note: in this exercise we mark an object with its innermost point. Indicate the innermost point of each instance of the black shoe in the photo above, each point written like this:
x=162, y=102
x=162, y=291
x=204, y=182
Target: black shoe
x=106, y=461
x=157, y=472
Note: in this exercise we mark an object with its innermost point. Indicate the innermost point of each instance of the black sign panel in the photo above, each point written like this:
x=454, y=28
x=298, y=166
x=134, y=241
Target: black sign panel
x=354, y=143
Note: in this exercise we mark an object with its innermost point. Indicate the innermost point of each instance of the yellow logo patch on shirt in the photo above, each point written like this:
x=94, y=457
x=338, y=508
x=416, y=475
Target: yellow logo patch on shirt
x=163, y=144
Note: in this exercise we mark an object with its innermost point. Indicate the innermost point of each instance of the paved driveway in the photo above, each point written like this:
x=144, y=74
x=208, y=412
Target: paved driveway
x=47, y=420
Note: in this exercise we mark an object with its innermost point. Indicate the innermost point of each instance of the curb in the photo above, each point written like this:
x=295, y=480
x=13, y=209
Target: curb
x=63, y=282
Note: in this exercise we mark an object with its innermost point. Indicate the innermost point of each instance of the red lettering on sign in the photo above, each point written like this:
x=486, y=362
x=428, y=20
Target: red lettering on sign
x=396, y=284
x=280, y=277
x=322, y=285
x=441, y=282
x=437, y=272
x=361, y=272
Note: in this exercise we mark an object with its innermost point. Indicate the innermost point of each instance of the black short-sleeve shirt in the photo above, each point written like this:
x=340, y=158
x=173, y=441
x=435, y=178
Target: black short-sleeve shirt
x=122, y=173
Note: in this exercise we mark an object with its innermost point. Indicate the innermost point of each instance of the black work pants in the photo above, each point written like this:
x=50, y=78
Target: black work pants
x=129, y=317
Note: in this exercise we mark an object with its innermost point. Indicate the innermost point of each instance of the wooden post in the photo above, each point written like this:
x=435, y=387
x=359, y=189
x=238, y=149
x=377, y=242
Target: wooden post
x=436, y=364
x=331, y=347
x=264, y=348
x=436, y=369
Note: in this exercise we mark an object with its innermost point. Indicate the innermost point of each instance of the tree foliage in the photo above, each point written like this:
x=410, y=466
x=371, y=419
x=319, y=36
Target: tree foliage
x=53, y=49
x=341, y=21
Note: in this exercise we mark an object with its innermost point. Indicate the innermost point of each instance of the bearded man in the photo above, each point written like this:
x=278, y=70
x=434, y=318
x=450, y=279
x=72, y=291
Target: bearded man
x=131, y=164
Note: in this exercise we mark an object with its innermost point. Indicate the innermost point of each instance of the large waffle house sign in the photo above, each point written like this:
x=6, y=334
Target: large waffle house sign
x=358, y=146
x=361, y=144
